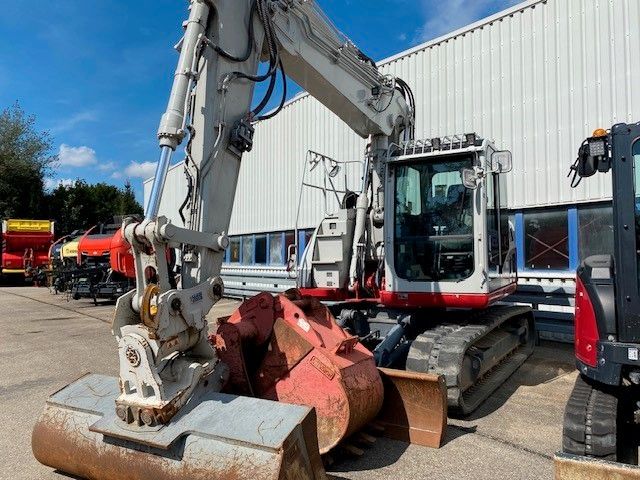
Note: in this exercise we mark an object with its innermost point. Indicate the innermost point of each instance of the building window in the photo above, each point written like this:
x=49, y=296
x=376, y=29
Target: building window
x=546, y=241
x=596, y=230
x=261, y=250
x=247, y=250
x=234, y=250
x=275, y=249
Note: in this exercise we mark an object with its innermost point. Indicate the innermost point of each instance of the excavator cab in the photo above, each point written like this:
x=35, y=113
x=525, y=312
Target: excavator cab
x=450, y=243
x=601, y=416
x=444, y=240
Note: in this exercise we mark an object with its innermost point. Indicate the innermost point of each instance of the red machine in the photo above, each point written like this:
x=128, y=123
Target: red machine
x=107, y=249
x=107, y=266
x=25, y=246
x=120, y=257
x=94, y=248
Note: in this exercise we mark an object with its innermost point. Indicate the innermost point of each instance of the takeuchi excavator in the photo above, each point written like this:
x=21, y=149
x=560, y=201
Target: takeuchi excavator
x=280, y=382
x=417, y=261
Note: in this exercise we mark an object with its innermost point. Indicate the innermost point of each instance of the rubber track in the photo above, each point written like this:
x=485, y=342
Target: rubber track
x=590, y=422
x=441, y=350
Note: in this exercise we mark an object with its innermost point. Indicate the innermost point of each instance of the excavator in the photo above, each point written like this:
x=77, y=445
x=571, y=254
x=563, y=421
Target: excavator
x=600, y=432
x=416, y=262
x=280, y=381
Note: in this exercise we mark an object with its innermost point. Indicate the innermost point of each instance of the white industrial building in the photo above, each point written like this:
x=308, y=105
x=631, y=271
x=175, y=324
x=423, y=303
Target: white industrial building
x=536, y=78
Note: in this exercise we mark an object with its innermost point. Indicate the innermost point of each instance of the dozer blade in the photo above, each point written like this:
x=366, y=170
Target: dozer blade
x=214, y=436
x=414, y=408
x=571, y=467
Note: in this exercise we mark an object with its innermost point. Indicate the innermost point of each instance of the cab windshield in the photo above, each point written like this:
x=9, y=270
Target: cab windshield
x=433, y=221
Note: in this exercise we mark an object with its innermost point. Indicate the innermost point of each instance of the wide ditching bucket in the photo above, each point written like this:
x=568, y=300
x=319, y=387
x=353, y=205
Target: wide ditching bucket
x=215, y=436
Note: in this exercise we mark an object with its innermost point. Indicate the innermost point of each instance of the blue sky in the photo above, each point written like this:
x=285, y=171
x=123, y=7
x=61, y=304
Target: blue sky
x=97, y=73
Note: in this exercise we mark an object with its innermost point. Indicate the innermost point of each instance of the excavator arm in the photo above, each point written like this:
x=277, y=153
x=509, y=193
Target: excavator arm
x=210, y=111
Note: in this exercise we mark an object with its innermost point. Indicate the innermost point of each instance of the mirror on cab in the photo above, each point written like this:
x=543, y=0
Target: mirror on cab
x=470, y=178
x=501, y=162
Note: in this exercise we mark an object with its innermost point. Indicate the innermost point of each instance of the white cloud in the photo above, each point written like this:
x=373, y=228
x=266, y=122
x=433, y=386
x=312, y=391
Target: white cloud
x=142, y=170
x=116, y=175
x=445, y=17
x=52, y=184
x=76, y=156
x=107, y=167
x=73, y=121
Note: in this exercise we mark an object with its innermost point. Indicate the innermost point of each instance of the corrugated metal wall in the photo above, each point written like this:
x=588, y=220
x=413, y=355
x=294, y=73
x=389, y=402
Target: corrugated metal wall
x=537, y=78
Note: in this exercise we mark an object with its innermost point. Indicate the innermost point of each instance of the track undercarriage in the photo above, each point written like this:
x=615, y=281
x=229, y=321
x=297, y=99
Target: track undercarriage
x=475, y=351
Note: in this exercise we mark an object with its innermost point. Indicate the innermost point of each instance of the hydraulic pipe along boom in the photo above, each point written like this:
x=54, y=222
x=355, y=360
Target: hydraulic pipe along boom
x=171, y=130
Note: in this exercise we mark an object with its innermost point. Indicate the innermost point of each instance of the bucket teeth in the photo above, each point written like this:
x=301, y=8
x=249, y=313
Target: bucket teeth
x=352, y=450
x=365, y=439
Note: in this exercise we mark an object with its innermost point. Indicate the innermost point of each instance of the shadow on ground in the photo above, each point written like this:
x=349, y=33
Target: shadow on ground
x=383, y=453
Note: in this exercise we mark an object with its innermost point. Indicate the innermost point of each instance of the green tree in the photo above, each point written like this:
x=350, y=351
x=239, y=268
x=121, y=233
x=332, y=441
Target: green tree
x=128, y=203
x=81, y=206
x=25, y=159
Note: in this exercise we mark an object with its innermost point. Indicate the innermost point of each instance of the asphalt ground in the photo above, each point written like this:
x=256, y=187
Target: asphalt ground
x=47, y=342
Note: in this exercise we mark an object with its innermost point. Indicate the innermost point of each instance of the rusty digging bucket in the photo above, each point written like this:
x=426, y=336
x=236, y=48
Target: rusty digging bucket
x=289, y=348
x=218, y=436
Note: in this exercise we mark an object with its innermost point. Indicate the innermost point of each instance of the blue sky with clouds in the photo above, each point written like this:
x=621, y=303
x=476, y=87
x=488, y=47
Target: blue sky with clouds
x=97, y=73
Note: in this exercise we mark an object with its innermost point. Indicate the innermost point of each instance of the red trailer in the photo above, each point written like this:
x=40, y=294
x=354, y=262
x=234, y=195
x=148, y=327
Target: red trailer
x=25, y=246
